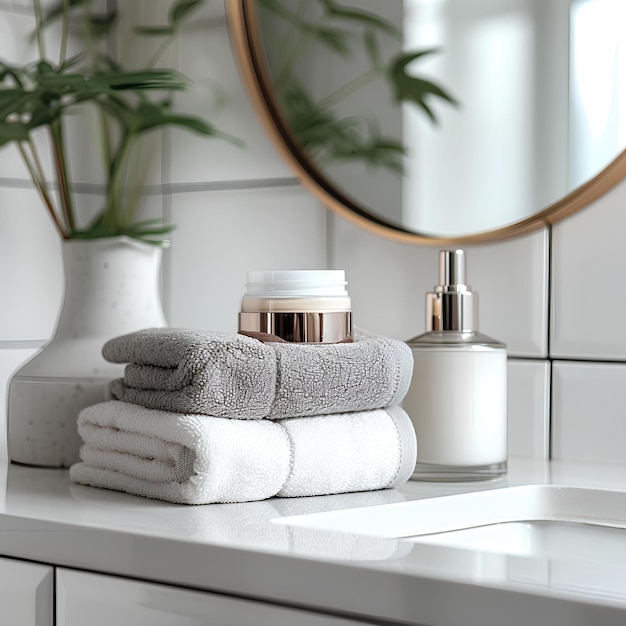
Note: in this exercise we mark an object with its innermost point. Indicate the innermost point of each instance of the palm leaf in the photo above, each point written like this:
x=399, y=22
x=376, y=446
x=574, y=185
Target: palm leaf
x=150, y=115
x=370, y=43
x=12, y=131
x=57, y=10
x=7, y=71
x=101, y=24
x=144, y=79
x=327, y=138
x=330, y=36
x=14, y=101
x=98, y=23
x=139, y=231
x=374, y=151
x=39, y=94
x=336, y=39
x=179, y=11
x=158, y=31
x=407, y=88
x=357, y=16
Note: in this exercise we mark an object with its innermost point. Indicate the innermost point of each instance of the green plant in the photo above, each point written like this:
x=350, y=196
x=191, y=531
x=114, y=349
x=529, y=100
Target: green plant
x=304, y=28
x=129, y=103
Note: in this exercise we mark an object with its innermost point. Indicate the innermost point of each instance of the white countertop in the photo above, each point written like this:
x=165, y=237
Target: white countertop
x=237, y=549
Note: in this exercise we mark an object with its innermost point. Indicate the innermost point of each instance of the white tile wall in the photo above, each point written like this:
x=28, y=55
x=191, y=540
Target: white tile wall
x=31, y=268
x=388, y=281
x=18, y=47
x=235, y=211
x=589, y=412
x=31, y=272
x=511, y=278
x=529, y=408
x=219, y=96
x=83, y=139
x=15, y=47
x=223, y=234
x=589, y=299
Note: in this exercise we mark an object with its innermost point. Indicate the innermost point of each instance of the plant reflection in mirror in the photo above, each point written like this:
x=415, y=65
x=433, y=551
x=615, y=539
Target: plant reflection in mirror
x=308, y=26
x=130, y=104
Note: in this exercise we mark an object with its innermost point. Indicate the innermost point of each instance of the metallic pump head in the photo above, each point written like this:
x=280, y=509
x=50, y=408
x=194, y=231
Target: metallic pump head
x=451, y=305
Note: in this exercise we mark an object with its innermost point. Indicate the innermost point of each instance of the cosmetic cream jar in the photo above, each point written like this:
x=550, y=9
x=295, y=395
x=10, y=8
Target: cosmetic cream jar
x=302, y=306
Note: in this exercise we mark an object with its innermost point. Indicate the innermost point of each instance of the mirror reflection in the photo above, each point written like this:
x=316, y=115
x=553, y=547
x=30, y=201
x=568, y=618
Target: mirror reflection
x=450, y=118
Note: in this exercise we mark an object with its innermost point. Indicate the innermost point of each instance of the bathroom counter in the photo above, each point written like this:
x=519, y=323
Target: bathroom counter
x=237, y=550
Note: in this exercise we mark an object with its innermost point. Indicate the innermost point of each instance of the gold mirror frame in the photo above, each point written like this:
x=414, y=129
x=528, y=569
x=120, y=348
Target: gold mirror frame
x=247, y=44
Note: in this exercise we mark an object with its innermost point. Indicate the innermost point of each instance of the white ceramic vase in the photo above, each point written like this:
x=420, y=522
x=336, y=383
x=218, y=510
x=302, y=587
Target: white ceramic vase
x=112, y=287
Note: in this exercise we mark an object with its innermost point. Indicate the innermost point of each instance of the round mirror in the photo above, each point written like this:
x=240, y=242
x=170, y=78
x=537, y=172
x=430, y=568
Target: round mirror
x=442, y=120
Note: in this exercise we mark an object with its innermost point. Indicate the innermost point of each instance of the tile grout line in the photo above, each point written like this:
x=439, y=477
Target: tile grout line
x=228, y=185
x=169, y=188
x=549, y=340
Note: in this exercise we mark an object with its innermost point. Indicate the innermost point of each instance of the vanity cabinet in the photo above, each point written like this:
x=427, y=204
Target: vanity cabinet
x=27, y=598
x=97, y=600
x=26, y=593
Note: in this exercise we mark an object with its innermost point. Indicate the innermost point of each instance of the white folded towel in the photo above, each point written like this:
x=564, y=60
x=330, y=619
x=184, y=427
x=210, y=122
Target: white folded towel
x=231, y=375
x=200, y=459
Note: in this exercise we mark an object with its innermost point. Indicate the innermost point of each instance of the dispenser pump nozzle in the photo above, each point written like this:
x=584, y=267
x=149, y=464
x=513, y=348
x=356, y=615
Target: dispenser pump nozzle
x=452, y=305
x=451, y=267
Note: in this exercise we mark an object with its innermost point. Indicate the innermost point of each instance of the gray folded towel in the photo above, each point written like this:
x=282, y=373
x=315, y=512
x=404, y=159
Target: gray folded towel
x=231, y=375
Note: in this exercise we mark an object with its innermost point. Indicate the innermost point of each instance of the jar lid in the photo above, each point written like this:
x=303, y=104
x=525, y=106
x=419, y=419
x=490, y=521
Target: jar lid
x=296, y=283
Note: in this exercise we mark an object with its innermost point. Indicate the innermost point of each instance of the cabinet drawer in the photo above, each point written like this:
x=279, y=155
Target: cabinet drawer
x=26, y=592
x=97, y=600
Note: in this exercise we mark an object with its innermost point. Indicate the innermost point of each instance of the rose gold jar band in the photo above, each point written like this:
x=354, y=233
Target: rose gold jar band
x=332, y=327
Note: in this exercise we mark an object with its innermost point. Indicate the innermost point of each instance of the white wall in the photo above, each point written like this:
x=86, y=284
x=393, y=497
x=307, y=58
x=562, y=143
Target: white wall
x=557, y=299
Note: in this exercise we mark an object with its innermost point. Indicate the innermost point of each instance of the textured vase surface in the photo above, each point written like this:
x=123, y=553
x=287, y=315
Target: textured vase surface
x=112, y=287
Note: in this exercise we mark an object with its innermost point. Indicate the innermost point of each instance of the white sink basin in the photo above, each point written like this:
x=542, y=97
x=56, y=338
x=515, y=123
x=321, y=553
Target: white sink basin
x=552, y=541
x=548, y=530
x=509, y=505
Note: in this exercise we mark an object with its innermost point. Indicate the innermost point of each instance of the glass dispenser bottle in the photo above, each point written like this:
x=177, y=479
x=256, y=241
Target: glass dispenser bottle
x=457, y=400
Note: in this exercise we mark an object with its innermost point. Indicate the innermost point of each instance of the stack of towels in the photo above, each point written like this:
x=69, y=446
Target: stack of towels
x=203, y=417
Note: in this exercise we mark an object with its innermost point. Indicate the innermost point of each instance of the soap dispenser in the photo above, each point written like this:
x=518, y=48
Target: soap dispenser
x=457, y=399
